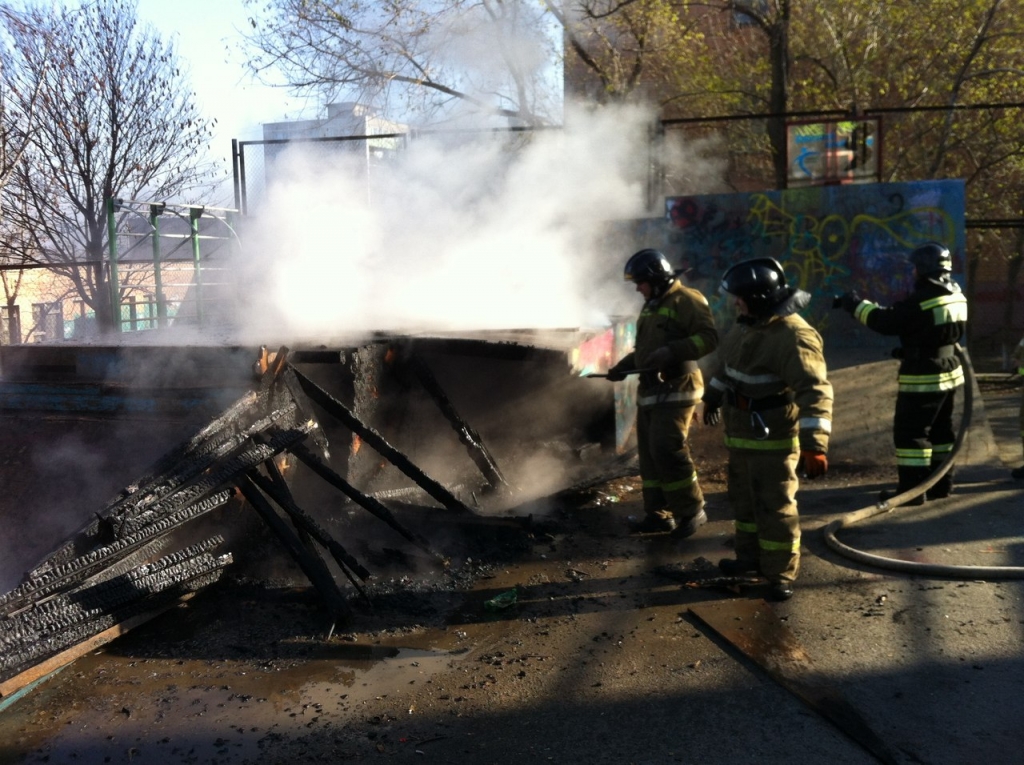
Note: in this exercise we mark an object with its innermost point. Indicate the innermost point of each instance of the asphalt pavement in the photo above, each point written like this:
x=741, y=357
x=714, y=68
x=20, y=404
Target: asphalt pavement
x=602, y=659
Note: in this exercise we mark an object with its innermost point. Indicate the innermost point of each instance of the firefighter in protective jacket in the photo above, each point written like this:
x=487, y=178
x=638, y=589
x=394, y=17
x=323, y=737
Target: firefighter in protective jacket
x=772, y=385
x=675, y=328
x=929, y=323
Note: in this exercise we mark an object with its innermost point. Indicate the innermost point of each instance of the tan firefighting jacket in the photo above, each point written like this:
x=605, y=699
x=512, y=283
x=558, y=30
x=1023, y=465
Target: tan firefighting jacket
x=773, y=382
x=681, y=320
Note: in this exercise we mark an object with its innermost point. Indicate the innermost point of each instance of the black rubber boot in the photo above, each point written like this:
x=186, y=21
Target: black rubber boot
x=780, y=591
x=942, y=488
x=689, y=527
x=651, y=524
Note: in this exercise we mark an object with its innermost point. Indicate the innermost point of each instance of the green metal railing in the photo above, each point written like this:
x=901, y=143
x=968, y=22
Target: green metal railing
x=149, y=293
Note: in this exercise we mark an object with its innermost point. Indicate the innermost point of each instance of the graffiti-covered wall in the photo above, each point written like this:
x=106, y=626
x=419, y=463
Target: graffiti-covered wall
x=829, y=239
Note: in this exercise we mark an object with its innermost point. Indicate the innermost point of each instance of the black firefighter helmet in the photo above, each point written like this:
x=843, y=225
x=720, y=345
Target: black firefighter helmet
x=760, y=282
x=649, y=266
x=932, y=259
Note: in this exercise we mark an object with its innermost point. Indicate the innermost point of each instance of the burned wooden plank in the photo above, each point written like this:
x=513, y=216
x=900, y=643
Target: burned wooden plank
x=277, y=490
x=89, y=600
x=478, y=451
x=311, y=534
x=11, y=688
x=373, y=506
x=62, y=575
x=101, y=577
x=216, y=477
x=375, y=440
x=753, y=628
x=314, y=568
x=153, y=588
x=169, y=475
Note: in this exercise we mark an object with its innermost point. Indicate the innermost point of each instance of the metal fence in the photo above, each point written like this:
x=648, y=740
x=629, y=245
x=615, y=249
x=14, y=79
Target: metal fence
x=367, y=157
x=168, y=262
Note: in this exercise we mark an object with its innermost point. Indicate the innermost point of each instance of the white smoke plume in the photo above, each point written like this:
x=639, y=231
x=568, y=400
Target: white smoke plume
x=463, y=237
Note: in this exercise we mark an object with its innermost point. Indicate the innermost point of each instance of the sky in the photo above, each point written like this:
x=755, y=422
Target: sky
x=208, y=40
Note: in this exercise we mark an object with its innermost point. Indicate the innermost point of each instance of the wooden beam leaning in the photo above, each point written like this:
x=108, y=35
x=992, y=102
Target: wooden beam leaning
x=314, y=568
x=478, y=451
x=375, y=440
x=374, y=506
x=278, y=491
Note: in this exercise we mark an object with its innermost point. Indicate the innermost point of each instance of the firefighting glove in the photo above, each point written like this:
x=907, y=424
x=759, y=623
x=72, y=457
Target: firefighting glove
x=712, y=414
x=850, y=301
x=617, y=373
x=815, y=464
x=659, y=358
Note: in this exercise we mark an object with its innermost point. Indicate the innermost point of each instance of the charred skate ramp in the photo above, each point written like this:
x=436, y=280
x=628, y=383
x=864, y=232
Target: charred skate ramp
x=453, y=425
x=498, y=410
x=499, y=418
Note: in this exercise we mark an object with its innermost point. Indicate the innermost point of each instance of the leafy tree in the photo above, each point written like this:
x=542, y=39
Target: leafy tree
x=623, y=51
x=114, y=119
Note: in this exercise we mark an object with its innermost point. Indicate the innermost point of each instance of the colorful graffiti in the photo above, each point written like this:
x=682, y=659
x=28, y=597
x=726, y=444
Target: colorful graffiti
x=829, y=239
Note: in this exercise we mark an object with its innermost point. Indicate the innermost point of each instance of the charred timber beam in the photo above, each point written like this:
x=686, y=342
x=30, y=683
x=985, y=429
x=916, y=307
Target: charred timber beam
x=66, y=610
x=137, y=499
x=63, y=574
x=184, y=451
x=107, y=594
x=300, y=398
x=168, y=585
x=368, y=503
x=374, y=439
x=224, y=474
x=310, y=532
x=24, y=681
x=314, y=569
x=130, y=510
x=278, y=491
x=190, y=459
x=478, y=452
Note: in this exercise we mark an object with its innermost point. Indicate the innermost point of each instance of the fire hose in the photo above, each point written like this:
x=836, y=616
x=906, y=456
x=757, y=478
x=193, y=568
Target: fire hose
x=887, y=506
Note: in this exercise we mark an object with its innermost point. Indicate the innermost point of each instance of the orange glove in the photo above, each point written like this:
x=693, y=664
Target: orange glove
x=815, y=463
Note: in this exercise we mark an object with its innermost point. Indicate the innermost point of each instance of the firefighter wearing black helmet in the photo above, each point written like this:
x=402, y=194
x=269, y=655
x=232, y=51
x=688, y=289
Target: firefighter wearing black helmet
x=772, y=386
x=929, y=323
x=675, y=328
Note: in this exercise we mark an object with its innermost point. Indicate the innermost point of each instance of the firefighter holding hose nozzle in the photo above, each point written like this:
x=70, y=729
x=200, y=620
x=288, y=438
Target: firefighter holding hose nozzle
x=929, y=323
x=675, y=328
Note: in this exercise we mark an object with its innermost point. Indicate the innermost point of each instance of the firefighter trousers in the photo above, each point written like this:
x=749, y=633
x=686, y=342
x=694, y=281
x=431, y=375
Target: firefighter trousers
x=762, y=493
x=670, y=485
x=923, y=435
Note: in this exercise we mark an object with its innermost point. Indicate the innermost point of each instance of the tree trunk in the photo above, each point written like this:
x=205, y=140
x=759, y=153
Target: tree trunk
x=104, y=314
x=778, y=52
x=13, y=322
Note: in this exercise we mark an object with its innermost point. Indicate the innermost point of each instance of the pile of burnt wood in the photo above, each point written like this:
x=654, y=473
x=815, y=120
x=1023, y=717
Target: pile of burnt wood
x=135, y=559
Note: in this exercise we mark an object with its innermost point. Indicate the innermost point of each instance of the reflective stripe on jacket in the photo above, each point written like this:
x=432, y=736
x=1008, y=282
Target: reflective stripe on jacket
x=766, y=361
x=681, y=320
x=932, y=318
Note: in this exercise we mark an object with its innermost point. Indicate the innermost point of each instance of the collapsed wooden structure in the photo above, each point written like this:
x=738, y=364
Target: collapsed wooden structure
x=140, y=555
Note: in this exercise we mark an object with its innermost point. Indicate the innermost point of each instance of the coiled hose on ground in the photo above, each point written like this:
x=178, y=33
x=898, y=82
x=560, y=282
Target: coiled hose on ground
x=880, y=508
